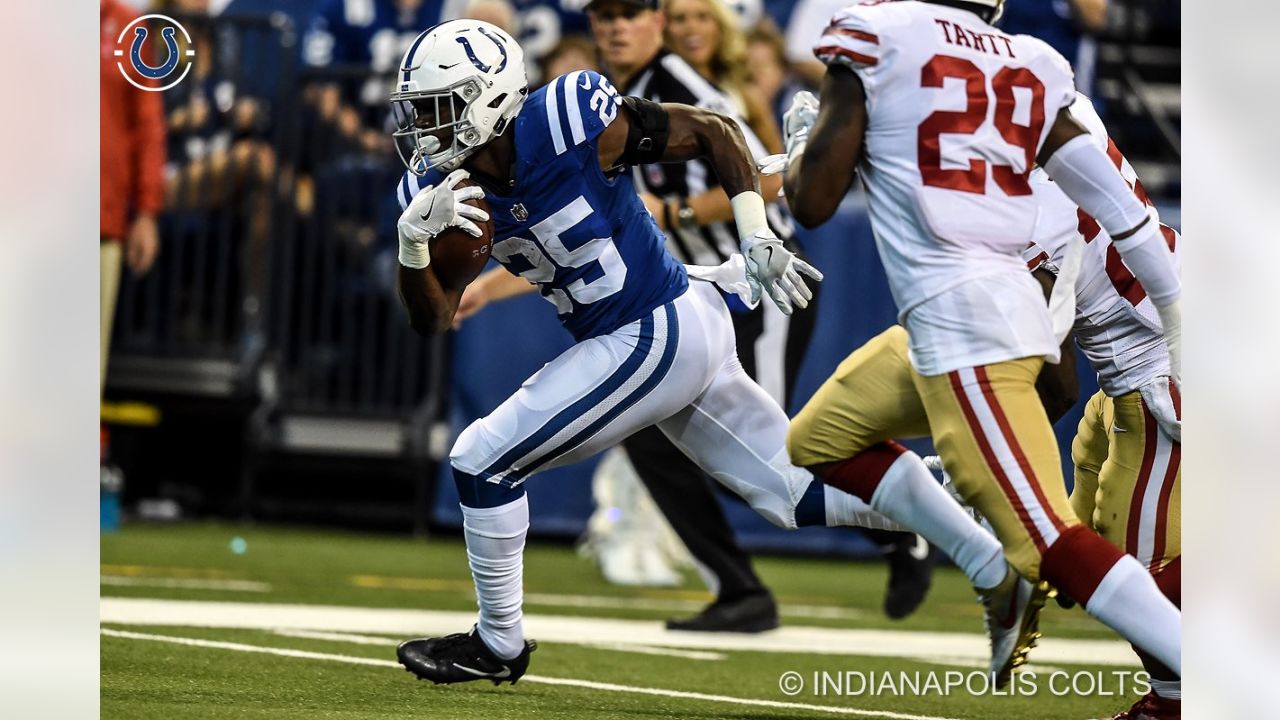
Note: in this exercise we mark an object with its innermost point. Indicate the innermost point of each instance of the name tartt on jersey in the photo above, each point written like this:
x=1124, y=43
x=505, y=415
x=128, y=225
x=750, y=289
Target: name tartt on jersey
x=954, y=33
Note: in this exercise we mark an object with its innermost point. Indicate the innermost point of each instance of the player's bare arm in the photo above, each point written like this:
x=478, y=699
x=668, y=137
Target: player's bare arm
x=647, y=132
x=430, y=306
x=819, y=178
x=691, y=133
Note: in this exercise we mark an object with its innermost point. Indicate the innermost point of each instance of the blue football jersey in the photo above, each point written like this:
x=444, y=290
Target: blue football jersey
x=586, y=240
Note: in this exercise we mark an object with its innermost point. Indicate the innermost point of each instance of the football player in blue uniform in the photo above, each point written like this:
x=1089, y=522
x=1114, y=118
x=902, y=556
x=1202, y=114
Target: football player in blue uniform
x=654, y=347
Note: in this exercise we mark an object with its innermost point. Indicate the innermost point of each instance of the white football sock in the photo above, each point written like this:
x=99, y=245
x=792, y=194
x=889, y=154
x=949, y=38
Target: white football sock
x=845, y=510
x=1129, y=602
x=495, y=551
x=909, y=495
x=1168, y=689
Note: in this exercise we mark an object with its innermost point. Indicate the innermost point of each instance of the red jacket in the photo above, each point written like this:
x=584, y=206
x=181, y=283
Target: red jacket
x=132, y=135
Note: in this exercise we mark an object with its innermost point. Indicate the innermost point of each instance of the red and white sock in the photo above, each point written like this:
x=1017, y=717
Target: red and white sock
x=895, y=482
x=1116, y=589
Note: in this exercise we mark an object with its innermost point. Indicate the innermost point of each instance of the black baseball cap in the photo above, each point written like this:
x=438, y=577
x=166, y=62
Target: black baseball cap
x=642, y=4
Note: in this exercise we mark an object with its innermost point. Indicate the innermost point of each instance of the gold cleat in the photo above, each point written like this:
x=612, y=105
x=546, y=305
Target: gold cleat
x=1013, y=623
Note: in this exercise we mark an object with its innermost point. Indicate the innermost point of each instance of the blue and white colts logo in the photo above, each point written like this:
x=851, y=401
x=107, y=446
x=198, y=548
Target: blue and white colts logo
x=471, y=54
x=138, y=71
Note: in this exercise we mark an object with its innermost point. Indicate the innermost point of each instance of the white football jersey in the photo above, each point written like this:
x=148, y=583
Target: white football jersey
x=1116, y=324
x=957, y=113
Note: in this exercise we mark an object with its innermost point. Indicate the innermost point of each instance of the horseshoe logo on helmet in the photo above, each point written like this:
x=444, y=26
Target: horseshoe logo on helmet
x=471, y=54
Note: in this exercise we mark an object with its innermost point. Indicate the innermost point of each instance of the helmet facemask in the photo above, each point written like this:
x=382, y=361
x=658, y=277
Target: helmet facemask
x=434, y=129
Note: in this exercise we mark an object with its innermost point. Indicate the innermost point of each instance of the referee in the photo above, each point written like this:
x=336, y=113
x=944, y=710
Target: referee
x=695, y=213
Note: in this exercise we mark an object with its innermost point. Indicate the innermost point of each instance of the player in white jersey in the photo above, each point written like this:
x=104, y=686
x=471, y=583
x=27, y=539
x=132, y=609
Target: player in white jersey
x=946, y=117
x=1127, y=451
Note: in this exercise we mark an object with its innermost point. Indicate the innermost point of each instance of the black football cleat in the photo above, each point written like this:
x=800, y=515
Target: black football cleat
x=910, y=575
x=461, y=657
x=750, y=614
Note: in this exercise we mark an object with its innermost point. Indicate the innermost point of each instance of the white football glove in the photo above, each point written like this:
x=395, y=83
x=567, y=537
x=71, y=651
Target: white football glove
x=1158, y=395
x=775, y=270
x=432, y=210
x=796, y=124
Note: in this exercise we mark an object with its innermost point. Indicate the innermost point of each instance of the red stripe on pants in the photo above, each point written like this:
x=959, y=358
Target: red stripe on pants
x=1012, y=441
x=1131, y=543
x=992, y=462
x=1162, y=505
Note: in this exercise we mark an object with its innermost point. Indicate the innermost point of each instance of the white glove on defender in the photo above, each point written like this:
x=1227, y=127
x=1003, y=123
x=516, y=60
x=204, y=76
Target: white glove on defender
x=776, y=270
x=432, y=210
x=796, y=124
x=1158, y=395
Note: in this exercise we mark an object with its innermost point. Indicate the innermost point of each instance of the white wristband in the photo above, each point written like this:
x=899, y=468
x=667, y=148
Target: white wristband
x=414, y=255
x=1171, y=323
x=748, y=214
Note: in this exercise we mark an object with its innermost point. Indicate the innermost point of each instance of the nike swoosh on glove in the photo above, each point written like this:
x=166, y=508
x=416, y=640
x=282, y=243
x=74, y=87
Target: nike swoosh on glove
x=776, y=271
x=432, y=210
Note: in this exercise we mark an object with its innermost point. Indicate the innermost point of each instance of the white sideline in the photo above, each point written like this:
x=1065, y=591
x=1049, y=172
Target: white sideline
x=924, y=646
x=586, y=684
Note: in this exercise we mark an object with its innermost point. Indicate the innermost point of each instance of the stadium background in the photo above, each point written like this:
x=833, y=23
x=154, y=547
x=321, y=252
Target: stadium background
x=263, y=370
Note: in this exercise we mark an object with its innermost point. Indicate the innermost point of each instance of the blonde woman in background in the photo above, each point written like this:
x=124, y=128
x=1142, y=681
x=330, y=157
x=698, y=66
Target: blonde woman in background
x=706, y=34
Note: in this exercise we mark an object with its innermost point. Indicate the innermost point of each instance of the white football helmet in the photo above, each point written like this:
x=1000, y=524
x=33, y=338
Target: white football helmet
x=466, y=80
x=997, y=5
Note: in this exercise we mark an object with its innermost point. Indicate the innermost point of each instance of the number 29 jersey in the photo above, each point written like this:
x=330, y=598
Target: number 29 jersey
x=957, y=111
x=585, y=239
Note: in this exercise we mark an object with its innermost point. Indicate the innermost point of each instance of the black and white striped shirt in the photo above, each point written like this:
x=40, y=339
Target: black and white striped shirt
x=668, y=78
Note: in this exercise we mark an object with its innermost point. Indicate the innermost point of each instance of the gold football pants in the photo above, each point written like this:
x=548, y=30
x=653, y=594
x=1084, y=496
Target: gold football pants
x=1129, y=479
x=987, y=423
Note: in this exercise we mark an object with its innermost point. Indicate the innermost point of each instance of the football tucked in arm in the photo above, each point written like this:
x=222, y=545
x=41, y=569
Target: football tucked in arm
x=458, y=258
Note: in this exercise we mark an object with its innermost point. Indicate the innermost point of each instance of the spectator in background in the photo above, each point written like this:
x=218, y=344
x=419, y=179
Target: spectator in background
x=808, y=20
x=368, y=34
x=131, y=172
x=497, y=12
x=573, y=52
x=706, y=35
x=768, y=70
x=1067, y=25
x=1064, y=24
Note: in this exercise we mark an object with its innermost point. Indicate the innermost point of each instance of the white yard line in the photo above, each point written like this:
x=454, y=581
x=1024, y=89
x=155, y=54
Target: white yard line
x=678, y=605
x=651, y=650
x=339, y=637
x=923, y=646
x=185, y=583
x=568, y=682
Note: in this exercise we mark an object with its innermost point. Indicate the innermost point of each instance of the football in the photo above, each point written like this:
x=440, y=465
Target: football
x=458, y=258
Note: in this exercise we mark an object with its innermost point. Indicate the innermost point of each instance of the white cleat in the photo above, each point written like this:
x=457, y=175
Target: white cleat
x=1013, y=623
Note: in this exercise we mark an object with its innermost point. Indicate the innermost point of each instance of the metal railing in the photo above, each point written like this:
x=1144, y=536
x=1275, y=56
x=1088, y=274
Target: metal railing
x=275, y=284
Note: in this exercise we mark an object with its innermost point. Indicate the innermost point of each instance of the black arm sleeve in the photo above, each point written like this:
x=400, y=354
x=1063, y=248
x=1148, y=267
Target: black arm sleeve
x=647, y=135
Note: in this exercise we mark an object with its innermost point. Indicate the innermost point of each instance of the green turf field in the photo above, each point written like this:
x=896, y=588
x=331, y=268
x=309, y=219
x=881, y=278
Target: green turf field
x=215, y=621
